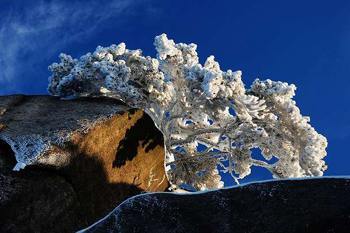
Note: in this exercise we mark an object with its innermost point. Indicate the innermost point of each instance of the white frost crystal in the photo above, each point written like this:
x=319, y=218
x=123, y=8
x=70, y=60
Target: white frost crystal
x=210, y=122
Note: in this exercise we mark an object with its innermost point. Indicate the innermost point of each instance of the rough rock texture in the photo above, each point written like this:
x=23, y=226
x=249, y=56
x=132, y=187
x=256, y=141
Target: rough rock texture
x=103, y=150
x=285, y=206
x=38, y=202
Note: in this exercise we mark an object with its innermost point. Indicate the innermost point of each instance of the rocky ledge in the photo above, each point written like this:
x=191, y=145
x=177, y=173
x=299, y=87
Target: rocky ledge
x=283, y=206
x=78, y=159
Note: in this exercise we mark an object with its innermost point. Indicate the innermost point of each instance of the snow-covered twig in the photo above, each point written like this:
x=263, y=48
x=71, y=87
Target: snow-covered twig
x=193, y=105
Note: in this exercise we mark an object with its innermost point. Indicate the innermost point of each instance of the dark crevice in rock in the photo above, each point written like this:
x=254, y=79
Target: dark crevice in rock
x=132, y=111
x=143, y=131
x=7, y=156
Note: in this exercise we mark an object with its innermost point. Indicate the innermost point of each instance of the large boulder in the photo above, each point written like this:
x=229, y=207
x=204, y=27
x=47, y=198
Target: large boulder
x=281, y=206
x=105, y=151
x=38, y=201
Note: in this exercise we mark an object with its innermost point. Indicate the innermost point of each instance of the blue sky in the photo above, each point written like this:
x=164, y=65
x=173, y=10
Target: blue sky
x=302, y=42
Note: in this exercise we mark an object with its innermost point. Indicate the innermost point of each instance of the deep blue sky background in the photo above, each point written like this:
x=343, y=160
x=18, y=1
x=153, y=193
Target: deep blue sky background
x=302, y=42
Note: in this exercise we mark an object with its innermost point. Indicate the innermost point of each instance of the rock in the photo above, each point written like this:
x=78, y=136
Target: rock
x=38, y=202
x=7, y=158
x=34, y=126
x=104, y=150
x=285, y=206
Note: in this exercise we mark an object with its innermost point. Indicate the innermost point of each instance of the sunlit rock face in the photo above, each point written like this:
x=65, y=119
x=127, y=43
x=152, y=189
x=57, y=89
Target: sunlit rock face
x=39, y=127
x=106, y=151
x=199, y=105
x=283, y=206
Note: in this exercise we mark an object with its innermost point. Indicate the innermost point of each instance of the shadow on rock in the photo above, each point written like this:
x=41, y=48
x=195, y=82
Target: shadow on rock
x=143, y=131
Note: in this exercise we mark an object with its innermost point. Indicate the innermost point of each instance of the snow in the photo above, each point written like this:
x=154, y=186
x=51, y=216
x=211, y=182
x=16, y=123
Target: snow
x=174, y=88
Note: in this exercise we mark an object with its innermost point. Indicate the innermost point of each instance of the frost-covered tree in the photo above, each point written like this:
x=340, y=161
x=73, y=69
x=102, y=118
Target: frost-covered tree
x=210, y=122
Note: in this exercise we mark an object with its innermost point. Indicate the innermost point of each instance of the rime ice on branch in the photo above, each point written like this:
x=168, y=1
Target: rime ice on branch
x=200, y=106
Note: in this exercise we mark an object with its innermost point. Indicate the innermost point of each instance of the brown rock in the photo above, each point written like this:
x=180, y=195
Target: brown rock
x=104, y=150
x=116, y=160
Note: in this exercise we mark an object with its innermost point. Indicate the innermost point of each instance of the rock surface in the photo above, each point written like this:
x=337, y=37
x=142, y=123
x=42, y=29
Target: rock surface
x=38, y=201
x=35, y=125
x=103, y=150
x=285, y=206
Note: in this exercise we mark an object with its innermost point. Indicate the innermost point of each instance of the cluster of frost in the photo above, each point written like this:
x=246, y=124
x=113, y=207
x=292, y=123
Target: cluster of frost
x=210, y=122
x=25, y=146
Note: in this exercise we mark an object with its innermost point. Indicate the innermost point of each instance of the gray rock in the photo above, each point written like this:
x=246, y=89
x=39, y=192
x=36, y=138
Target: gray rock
x=38, y=201
x=83, y=157
x=306, y=205
x=33, y=125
